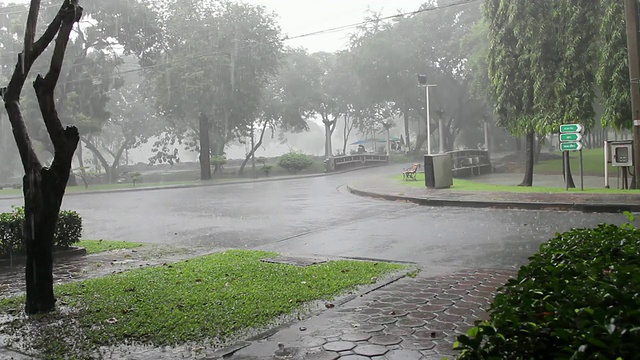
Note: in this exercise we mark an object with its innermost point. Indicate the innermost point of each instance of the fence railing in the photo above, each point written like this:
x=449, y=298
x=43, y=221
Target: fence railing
x=352, y=161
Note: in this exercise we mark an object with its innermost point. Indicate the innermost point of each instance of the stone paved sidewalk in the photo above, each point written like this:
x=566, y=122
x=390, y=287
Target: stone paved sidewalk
x=413, y=318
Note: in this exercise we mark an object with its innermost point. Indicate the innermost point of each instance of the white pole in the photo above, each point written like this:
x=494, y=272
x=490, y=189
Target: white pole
x=606, y=164
x=440, y=135
x=428, y=123
x=486, y=136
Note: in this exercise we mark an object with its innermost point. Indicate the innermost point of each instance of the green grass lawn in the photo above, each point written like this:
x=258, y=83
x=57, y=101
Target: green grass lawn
x=469, y=185
x=98, y=246
x=124, y=186
x=592, y=159
x=211, y=297
x=316, y=168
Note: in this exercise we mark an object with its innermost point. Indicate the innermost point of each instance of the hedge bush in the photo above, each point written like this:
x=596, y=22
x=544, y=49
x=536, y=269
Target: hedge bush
x=578, y=298
x=68, y=231
x=295, y=162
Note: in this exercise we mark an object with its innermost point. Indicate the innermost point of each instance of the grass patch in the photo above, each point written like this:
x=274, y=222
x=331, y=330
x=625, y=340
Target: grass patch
x=469, y=185
x=99, y=187
x=592, y=161
x=98, y=246
x=211, y=297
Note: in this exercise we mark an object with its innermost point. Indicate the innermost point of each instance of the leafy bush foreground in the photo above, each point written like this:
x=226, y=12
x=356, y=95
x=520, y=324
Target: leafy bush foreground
x=68, y=231
x=578, y=298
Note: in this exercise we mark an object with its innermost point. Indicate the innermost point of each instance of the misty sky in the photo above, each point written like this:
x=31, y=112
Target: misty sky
x=298, y=17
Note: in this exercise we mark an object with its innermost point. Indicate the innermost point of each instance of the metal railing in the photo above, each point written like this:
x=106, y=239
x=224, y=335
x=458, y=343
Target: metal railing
x=343, y=162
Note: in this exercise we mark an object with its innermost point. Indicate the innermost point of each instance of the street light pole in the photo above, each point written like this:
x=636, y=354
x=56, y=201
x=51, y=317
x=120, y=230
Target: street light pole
x=422, y=80
x=426, y=89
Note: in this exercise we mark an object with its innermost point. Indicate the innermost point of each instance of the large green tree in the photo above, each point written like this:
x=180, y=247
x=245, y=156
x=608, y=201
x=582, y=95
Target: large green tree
x=95, y=52
x=613, y=66
x=541, y=66
x=216, y=59
x=287, y=101
x=389, y=56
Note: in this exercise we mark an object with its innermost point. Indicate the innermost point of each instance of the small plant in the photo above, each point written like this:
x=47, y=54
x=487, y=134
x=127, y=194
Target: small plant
x=295, y=162
x=87, y=174
x=266, y=169
x=135, y=177
x=576, y=299
x=218, y=162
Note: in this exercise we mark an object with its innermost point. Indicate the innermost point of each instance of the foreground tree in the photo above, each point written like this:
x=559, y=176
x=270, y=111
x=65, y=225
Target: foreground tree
x=44, y=187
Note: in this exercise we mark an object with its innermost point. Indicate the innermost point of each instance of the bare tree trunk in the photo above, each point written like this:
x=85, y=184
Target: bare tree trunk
x=566, y=169
x=205, y=148
x=327, y=139
x=111, y=176
x=420, y=139
x=255, y=148
x=538, y=149
x=346, y=132
x=529, y=154
x=43, y=187
x=406, y=126
x=518, y=141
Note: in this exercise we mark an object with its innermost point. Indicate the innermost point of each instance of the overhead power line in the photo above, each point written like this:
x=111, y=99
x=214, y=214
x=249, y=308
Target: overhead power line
x=309, y=34
x=385, y=18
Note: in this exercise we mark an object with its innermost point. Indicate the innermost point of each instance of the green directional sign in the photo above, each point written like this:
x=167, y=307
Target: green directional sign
x=571, y=128
x=570, y=146
x=571, y=137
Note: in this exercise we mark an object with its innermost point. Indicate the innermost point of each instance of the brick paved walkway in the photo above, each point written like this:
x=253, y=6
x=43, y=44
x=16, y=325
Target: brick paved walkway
x=414, y=318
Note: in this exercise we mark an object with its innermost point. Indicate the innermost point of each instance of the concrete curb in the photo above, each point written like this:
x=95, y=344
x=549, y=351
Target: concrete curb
x=188, y=186
x=517, y=205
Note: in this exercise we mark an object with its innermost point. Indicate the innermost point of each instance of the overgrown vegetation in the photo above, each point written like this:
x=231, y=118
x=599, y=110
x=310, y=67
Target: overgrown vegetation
x=208, y=298
x=294, y=162
x=67, y=232
x=576, y=299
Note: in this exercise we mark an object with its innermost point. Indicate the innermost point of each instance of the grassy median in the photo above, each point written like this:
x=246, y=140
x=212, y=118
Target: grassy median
x=98, y=246
x=470, y=185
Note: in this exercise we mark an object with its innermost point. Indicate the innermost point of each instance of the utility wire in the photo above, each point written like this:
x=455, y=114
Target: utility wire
x=309, y=34
x=390, y=17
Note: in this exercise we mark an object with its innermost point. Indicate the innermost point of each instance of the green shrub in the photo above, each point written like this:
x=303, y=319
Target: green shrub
x=135, y=177
x=218, y=161
x=11, y=231
x=295, y=162
x=576, y=299
x=68, y=231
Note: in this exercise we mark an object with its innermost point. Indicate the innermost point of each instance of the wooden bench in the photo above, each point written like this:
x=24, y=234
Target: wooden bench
x=410, y=173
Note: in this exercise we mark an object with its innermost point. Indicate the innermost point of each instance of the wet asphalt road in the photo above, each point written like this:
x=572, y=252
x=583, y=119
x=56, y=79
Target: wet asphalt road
x=318, y=216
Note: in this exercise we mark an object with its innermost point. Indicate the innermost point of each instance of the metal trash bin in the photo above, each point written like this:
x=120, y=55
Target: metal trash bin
x=438, y=171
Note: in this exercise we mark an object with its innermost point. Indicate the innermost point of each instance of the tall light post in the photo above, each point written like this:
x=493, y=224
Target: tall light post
x=422, y=80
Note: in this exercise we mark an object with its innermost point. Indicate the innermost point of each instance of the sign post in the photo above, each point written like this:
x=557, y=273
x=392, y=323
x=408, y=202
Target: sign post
x=570, y=140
